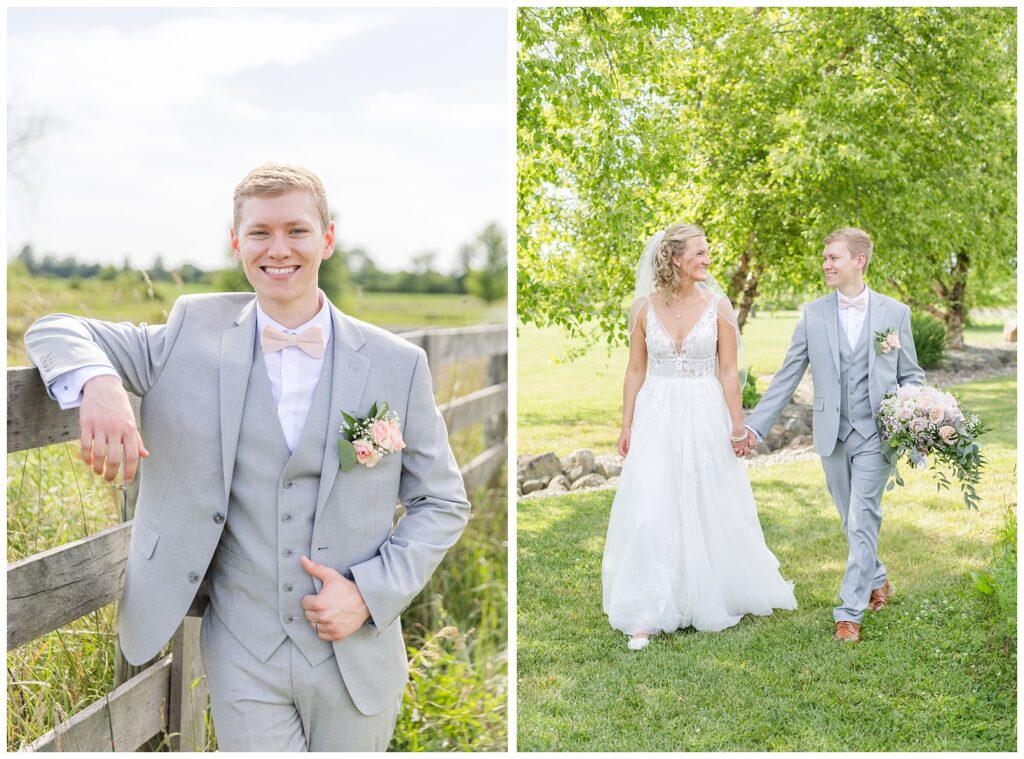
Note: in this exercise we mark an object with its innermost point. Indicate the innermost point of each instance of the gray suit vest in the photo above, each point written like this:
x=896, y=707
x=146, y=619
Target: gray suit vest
x=855, y=400
x=256, y=580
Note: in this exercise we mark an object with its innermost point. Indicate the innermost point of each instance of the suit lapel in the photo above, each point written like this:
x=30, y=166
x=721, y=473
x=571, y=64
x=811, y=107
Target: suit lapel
x=236, y=349
x=350, y=370
x=832, y=326
x=876, y=322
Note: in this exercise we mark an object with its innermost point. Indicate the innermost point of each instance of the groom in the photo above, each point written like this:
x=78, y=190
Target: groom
x=242, y=399
x=839, y=336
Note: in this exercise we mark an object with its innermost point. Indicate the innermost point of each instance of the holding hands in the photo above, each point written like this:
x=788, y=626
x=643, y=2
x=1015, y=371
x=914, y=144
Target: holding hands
x=742, y=442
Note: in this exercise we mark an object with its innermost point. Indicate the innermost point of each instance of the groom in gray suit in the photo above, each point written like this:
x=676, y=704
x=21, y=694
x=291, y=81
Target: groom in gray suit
x=242, y=400
x=852, y=368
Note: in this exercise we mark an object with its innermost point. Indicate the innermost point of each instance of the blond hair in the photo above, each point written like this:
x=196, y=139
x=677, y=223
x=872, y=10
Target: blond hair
x=272, y=179
x=666, y=276
x=857, y=242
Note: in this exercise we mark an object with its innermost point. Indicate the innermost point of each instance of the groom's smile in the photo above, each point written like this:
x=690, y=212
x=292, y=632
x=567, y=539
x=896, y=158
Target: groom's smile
x=280, y=243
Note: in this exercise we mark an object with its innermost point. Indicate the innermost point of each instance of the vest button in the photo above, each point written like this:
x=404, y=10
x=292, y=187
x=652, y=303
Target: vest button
x=193, y=577
x=287, y=518
x=289, y=619
x=218, y=518
x=289, y=485
x=288, y=588
x=287, y=553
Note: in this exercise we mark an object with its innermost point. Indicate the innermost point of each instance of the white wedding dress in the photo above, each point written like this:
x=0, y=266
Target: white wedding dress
x=684, y=545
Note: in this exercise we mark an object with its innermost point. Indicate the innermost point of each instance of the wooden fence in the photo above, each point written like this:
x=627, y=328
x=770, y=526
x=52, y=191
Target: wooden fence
x=167, y=698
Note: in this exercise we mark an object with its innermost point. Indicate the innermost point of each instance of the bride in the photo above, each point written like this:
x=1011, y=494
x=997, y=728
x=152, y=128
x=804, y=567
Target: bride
x=684, y=545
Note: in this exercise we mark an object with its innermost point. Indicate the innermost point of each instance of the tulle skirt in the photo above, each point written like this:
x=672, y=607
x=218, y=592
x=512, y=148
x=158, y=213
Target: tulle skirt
x=684, y=545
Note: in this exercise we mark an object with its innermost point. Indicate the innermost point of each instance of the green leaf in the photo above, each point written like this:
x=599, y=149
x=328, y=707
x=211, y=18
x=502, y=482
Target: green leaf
x=373, y=411
x=350, y=420
x=346, y=455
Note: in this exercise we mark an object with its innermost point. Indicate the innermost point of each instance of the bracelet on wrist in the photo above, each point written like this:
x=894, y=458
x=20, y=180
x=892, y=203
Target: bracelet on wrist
x=739, y=439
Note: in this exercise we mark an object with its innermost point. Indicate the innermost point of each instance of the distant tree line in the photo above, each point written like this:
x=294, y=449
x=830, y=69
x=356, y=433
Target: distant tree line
x=481, y=270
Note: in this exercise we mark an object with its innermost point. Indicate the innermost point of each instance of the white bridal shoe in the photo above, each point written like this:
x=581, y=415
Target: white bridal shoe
x=637, y=643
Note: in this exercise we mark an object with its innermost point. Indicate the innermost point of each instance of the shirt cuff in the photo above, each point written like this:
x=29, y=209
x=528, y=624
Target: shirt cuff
x=67, y=388
x=758, y=435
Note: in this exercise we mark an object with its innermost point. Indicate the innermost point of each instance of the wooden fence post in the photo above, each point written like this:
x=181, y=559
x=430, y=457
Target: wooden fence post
x=496, y=427
x=186, y=718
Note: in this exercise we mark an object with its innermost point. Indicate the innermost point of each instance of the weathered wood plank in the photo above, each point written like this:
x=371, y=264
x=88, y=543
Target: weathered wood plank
x=186, y=725
x=449, y=346
x=482, y=470
x=52, y=588
x=129, y=716
x=496, y=427
x=475, y=407
x=33, y=419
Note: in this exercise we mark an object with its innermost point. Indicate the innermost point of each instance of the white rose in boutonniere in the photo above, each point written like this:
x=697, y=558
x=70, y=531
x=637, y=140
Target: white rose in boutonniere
x=887, y=341
x=366, y=440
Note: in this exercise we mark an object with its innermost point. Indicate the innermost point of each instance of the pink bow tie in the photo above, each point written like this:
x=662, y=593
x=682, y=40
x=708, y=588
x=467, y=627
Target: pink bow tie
x=845, y=303
x=310, y=340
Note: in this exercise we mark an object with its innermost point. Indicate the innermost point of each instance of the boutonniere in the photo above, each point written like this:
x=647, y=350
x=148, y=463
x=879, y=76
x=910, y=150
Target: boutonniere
x=887, y=340
x=366, y=440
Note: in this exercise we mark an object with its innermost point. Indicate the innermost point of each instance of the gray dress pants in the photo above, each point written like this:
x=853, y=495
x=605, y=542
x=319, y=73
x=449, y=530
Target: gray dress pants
x=856, y=474
x=283, y=704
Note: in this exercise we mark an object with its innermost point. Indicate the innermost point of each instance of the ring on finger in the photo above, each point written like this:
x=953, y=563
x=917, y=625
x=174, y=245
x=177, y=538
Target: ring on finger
x=317, y=626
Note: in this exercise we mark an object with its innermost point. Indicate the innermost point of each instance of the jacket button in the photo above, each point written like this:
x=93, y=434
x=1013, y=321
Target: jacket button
x=193, y=577
x=287, y=518
x=218, y=518
x=288, y=588
x=289, y=619
x=289, y=485
x=287, y=553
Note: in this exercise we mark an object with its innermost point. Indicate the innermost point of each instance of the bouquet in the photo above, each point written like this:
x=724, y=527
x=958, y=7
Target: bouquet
x=920, y=421
x=365, y=440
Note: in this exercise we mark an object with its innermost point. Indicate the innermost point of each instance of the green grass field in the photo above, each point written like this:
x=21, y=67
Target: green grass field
x=29, y=298
x=936, y=670
x=569, y=404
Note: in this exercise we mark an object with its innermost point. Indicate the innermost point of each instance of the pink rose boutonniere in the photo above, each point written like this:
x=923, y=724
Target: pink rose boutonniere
x=366, y=440
x=887, y=341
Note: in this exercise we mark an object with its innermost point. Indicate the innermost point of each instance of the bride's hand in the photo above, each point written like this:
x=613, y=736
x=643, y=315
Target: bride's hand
x=624, y=443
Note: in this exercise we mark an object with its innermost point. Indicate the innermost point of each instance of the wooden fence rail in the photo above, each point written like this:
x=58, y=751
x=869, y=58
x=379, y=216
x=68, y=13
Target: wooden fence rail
x=50, y=589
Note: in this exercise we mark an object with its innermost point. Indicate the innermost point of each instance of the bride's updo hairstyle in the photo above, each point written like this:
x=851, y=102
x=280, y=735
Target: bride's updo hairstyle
x=666, y=276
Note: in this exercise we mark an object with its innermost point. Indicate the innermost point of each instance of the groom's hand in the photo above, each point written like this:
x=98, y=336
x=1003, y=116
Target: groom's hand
x=338, y=607
x=107, y=425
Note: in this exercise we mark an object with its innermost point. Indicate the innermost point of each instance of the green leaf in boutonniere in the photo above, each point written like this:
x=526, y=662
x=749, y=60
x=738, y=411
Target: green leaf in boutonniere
x=346, y=454
x=373, y=411
x=350, y=420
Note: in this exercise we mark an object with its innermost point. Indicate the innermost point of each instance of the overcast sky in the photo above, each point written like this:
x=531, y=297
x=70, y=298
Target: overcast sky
x=150, y=117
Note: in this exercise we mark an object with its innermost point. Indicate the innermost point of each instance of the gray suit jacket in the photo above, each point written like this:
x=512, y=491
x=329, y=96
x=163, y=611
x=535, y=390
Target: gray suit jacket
x=192, y=374
x=816, y=342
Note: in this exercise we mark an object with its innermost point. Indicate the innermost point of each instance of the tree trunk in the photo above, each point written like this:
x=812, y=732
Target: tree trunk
x=743, y=284
x=956, y=311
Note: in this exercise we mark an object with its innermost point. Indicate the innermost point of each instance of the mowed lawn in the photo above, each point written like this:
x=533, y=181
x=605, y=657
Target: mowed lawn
x=933, y=672
x=564, y=405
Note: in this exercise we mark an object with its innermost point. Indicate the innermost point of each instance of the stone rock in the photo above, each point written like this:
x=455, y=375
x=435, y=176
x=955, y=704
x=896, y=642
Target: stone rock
x=608, y=465
x=578, y=464
x=537, y=467
x=588, y=481
x=531, y=486
x=614, y=481
x=557, y=485
x=1010, y=331
x=802, y=441
x=559, y=481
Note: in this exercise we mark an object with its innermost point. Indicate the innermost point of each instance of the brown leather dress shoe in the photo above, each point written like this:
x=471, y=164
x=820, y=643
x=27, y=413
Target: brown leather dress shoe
x=880, y=597
x=848, y=632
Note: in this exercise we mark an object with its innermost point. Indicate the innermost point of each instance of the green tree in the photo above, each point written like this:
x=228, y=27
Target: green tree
x=769, y=127
x=489, y=280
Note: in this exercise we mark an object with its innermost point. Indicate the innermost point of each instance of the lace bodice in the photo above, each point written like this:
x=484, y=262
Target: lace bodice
x=698, y=354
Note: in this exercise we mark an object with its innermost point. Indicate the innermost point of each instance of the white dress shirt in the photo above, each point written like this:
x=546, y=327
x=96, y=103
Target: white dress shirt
x=292, y=372
x=852, y=319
